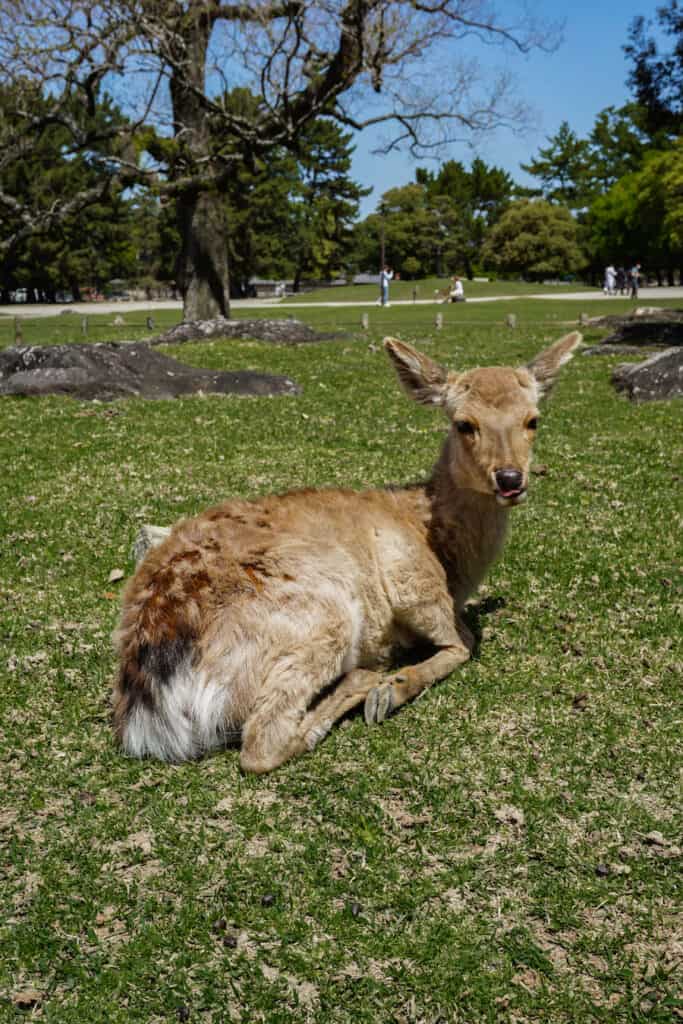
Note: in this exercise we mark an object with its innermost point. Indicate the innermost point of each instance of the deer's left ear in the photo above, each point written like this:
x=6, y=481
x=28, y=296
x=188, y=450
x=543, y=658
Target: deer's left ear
x=545, y=367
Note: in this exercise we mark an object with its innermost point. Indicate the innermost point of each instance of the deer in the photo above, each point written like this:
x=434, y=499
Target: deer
x=262, y=622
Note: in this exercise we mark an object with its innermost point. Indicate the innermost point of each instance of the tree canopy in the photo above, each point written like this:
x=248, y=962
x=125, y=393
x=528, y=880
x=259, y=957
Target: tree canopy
x=535, y=239
x=656, y=76
x=355, y=62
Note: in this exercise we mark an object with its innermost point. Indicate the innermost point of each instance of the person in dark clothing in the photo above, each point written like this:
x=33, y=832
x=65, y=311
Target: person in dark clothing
x=634, y=280
x=620, y=282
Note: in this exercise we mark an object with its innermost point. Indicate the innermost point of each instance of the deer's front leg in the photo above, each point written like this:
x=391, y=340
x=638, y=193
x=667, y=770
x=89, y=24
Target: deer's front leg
x=409, y=682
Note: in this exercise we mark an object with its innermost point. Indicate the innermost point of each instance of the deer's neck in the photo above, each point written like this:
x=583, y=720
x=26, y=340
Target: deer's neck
x=467, y=530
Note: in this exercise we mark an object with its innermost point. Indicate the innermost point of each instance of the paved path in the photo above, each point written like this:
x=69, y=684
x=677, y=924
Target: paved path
x=645, y=295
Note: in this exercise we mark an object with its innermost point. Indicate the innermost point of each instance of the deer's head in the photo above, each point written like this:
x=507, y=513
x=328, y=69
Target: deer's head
x=493, y=413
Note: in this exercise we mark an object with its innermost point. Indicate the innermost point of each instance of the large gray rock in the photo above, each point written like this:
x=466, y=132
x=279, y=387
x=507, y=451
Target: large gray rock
x=122, y=370
x=646, y=325
x=279, y=332
x=659, y=377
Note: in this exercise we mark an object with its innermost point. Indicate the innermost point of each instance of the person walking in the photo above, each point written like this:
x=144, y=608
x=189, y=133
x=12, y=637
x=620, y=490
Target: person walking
x=384, y=278
x=610, y=280
x=634, y=279
x=620, y=282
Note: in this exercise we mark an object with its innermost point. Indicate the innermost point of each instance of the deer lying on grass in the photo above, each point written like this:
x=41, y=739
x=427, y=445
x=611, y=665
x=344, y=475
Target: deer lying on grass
x=269, y=619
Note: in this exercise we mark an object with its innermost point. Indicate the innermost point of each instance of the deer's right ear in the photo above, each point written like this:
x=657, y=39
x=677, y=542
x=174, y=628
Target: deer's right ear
x=422, y=378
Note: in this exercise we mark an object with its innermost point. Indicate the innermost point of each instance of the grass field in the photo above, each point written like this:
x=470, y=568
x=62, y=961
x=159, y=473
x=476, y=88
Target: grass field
x=403, y=289
x=506, y=849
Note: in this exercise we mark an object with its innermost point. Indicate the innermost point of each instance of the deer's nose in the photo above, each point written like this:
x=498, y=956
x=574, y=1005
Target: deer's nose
x=509, y=480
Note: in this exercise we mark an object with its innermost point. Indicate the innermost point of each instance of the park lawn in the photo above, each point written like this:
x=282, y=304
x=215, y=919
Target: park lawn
x=458, y=320
x=405, y=289
x=505, y=849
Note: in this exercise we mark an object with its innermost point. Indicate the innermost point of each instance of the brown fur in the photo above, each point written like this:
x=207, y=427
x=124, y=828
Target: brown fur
x=267, y=620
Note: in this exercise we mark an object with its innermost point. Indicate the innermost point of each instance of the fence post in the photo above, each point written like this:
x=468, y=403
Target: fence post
x=18, y=334
x=439, y=321
x=365, y=321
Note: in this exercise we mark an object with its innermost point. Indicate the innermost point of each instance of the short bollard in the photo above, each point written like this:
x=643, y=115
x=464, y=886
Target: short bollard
x=18, y=334
x=84, y=325
x=511, y=320
x=439, y=321
x=150, y=323
x=365, y=321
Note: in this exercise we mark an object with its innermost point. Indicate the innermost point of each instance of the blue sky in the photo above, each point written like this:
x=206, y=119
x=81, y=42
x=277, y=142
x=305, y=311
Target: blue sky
x=587, y=73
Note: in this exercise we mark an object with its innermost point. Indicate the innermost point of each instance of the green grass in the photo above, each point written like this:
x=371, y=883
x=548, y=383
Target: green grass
x=424, y=289
x=385, y=877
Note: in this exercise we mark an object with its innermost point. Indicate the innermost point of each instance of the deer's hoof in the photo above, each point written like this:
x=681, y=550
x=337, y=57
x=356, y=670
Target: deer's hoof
x=316, y=734
x=379, y=704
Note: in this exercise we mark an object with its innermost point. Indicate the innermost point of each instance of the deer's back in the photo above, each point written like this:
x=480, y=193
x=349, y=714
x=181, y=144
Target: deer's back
x=368, y=549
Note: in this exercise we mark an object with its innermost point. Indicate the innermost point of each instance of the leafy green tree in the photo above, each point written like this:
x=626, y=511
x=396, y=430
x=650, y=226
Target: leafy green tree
x=563, y=168
x=536, y=239
x=617, y=144
x=328, y=201
x=467, y=204
x=403, y=226
x=357, y=63
x=439, y=221
x=641, y=216
x=289, y=212
x=88, y=245
x=656, y=75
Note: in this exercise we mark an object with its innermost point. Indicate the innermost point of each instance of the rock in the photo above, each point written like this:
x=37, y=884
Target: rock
x=612, y=350
x=110, y=370
x=279, y=332
x=648, y=331
x=646, y=325
x=659, y=377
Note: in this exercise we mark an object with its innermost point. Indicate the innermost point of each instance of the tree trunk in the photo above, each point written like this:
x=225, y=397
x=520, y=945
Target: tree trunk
x=203, y=267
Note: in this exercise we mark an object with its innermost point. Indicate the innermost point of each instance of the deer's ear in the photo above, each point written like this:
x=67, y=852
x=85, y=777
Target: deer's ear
x=545, y=367
x=422, y=378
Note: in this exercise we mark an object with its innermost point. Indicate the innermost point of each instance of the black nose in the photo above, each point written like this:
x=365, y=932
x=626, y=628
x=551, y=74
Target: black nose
x=508, y=479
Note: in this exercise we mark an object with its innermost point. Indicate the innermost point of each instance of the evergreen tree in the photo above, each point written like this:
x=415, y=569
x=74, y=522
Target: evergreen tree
x=656, y=75
x=563, y=168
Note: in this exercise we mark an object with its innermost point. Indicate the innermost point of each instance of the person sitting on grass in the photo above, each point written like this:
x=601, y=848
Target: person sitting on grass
x=457, y=292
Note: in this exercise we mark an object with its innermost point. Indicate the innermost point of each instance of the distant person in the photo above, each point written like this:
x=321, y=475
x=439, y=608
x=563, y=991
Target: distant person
x=384, y=278
x=610, y=280
x=457, y=292
x=634, y=280
x=620, y=281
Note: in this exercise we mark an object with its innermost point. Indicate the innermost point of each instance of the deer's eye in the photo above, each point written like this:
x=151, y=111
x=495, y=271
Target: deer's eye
x=464, y=427
x=532, y=424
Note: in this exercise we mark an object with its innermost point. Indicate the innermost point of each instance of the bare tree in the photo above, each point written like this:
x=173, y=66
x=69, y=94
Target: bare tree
x=170, y=63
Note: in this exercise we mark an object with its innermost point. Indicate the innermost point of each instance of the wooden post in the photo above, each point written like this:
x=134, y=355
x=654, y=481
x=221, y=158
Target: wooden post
x=18, y=334
x=439, y=321
x=365, y=321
